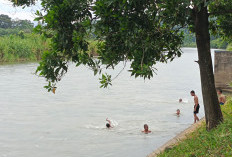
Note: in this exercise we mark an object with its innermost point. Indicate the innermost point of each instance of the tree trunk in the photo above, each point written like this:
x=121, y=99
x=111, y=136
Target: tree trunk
x=213, y=114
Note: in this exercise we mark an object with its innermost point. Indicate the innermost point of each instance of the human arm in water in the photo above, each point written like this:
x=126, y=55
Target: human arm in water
x=146, y=129
x=108, y=121
x=146, y=132
x=108, y=125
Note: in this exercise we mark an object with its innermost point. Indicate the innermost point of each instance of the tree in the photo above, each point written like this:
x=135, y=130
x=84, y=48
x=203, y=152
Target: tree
x=22, y=24
x=5, y=21
x=23, y=3
x=141, y=31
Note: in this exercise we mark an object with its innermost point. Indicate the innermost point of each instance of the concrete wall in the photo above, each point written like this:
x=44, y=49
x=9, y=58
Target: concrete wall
x=223, y=70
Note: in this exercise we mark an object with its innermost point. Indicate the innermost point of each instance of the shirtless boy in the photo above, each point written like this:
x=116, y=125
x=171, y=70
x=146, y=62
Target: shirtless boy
x=178, y=112
x=146, y=129
x=221, y=97
x=196, y=106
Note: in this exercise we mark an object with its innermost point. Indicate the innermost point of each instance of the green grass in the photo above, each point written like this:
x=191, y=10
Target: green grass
x=29, y=47
x=92, y=47
x=22, y=47
x=229, y=47
x=201, y=143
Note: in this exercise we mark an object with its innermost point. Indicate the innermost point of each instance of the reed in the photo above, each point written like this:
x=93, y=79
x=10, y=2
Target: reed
x=22, y=47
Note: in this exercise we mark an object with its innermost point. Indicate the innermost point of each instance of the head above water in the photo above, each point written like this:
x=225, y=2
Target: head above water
x=180, y=100
x=178, y=111
x=192, y=92
x=146, y=127
x=107, y=125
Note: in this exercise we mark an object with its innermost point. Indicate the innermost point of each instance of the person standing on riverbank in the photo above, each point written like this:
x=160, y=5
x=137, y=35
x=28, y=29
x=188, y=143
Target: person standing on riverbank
x=221, y=97
x=196, y=106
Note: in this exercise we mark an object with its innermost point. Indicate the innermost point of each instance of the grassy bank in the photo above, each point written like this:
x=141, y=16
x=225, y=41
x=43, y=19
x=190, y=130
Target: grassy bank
x=29, y=47
x=22, y=47
x=229, y=47
x=216, y=143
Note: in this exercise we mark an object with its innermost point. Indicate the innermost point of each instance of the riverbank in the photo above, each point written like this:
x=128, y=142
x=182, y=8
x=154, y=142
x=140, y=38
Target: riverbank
x=22, y=47
x=196, y=141
x=29, y=47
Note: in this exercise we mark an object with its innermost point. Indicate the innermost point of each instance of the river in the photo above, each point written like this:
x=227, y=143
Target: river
x=71, y=123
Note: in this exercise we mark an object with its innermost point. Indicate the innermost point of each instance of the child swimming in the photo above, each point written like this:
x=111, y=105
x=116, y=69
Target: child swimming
x=146, y=129
x=108, y=125
x=178, y=112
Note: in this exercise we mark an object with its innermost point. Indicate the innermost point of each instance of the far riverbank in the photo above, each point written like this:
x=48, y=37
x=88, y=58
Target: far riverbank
x=30, y=47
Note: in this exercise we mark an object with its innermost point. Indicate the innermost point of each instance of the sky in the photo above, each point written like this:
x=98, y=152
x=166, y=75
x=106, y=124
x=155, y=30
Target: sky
x=17, y=12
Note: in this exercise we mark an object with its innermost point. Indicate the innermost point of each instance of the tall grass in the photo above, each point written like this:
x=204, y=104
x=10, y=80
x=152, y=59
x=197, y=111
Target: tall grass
x=229, y=47
x=215, y=143
x=22, y=47
x=93, y=47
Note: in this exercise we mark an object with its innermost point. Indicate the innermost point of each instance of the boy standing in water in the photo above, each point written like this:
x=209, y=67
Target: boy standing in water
x=196, y=106
x=178, y=112
x=221, y=97
x=146, y=129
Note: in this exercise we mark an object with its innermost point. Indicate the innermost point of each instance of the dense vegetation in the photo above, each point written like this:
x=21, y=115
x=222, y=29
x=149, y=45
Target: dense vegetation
x=18, y=42
x=22, y=47
x=215, y=42
x=10, y=26
x=215, y=143
x=229, y=47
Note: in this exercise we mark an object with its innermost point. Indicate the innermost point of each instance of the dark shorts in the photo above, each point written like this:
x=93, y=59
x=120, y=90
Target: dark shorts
x=197, y=109
x=221, y=103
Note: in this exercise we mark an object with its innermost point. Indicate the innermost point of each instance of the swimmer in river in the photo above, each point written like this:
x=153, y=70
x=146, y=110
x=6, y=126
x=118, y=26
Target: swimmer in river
x=180, y=100
x=196, y=106
x=146, y=129
x=178, y=112
x=221, y=97
x=108, y=125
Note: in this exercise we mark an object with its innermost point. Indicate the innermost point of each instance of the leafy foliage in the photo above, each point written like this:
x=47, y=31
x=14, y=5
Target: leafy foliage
x=69, y=21
x=10, y=26
x=18, y=43
x=121, y=33
x=22, y=47
x=221, y=15
x=229, y=47
x=216, y=42
x=23, y=2
x=132, y=31
x=143, y=32
x=5, y=21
